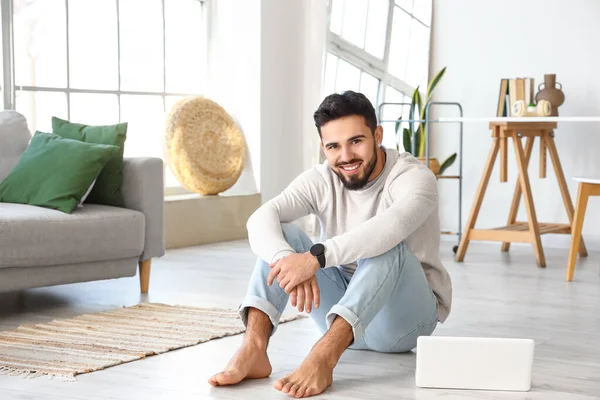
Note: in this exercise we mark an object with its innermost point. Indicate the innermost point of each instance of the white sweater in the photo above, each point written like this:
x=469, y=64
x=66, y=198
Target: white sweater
x=401, y=205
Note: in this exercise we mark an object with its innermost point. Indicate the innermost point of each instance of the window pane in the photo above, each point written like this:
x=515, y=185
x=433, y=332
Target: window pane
x=395, y=96
x=94, y=108
x=391, y=113
x=407, y=5
x=376, y=24
x=185, y=46
x=330, y=74
x=145, y=118
x=337, y=15
x=400, y=111
x=170, y=102
x=40, y=31
x=417, y=69
x=39, y=108
x=399, y=43
x=142, y=45
x=355, y=22
x=348, y=77
x=170, y=179
x=369, y=86
x=422, y=11
x=93, y=44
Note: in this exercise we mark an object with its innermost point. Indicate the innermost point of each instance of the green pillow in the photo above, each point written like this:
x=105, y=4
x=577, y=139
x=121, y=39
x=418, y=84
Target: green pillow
x=54, y=172
x=107, y=189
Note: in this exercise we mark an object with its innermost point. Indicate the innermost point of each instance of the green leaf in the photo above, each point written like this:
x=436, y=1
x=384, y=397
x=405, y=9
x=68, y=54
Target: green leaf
x=447, y=163
x=433, y=83
x=421, y=128
x=418, y=140
x=421, y=140
x=406, y=140
x=398, y=122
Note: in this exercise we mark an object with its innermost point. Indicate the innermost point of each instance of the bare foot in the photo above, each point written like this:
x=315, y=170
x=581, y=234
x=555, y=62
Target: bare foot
x=312, y=377
x=250, y=362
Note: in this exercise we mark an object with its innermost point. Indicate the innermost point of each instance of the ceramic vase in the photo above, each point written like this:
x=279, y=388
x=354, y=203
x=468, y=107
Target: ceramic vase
x=551, y=93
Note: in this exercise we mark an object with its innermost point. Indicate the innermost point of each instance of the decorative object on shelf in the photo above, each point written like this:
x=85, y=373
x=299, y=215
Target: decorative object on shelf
x=418, y=108
x=542, y=109
x=203, y=146
x=434, y=164
x=513, y=90
x=551, y=93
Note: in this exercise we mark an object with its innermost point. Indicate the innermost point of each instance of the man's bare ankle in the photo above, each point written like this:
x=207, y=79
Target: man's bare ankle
x=259, y=329
x=332, y=345
x=256, y=342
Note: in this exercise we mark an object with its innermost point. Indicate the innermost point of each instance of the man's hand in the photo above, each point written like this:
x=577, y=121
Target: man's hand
x=305, y=294
x=293, y=270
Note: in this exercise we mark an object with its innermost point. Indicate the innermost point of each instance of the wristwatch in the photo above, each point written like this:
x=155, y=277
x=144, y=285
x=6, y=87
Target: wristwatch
x=318, y=250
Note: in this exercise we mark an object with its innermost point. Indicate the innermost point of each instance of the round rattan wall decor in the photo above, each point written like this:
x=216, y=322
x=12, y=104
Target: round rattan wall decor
x=203, y=146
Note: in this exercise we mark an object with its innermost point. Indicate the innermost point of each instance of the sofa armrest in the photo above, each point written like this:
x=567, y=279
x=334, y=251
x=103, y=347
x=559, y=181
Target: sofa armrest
x=143, y=190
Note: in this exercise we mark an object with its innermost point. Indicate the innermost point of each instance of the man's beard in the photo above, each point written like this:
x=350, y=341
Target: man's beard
x=356, y=182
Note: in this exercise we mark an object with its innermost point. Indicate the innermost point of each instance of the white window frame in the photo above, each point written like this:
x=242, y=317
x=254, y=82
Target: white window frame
x=367, y=62
x=8, y=67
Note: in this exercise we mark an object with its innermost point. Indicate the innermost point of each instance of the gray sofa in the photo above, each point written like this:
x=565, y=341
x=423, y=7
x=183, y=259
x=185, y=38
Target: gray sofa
x=44, y=247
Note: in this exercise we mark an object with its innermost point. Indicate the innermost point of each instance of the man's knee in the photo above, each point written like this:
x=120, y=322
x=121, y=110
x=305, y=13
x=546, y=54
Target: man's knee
x=395, y=255
x=295, y=236
x=290, y=231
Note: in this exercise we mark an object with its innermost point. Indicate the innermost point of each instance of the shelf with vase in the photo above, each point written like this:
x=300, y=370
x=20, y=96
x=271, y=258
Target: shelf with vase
x=414, y=132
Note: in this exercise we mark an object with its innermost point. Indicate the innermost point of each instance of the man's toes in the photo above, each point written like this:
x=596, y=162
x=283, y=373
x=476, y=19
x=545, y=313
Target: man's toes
x=293, y=390
x=280, y=383
x=217, y=379
x=300, y=392
x=308, y=392
x=287, y=387
x=227, y=378
x=222, y=378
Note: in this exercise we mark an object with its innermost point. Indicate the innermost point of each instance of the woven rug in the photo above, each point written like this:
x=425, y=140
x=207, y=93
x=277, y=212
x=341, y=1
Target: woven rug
x=68, y=347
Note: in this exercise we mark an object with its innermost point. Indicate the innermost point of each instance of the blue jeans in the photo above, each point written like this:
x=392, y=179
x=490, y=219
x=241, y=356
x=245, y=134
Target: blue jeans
x=388, y=301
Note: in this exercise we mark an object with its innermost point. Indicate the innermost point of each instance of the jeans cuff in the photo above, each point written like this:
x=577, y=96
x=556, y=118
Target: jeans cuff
x=357, y=325
x=262, y=305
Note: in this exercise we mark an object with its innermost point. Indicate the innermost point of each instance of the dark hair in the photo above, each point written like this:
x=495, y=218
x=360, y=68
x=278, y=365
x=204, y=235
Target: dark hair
x=348, y=103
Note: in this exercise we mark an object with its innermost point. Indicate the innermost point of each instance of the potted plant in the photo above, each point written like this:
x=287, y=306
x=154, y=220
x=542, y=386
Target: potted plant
x=417, y=108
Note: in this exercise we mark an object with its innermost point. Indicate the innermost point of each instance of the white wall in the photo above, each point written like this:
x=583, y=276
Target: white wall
x=483, y=41
x=233, y=68
x=265, y=67
x=292, y=53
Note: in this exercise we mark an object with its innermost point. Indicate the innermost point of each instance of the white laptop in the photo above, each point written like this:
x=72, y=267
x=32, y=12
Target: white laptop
x=474, y=363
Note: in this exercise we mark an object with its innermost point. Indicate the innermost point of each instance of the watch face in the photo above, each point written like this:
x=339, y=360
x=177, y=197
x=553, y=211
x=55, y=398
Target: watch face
x=317, y=249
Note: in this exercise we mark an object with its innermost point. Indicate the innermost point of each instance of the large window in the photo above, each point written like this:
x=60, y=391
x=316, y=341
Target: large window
x=104, y=62
x=380, y=48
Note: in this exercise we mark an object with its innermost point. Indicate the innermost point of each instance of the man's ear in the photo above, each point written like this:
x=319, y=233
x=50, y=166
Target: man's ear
x=379, y=134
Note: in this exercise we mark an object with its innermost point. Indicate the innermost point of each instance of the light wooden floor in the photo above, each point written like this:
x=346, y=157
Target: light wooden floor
x=501, y=295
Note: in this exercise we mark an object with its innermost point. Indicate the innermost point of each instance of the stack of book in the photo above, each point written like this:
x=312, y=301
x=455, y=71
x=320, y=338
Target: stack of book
x=513, y=90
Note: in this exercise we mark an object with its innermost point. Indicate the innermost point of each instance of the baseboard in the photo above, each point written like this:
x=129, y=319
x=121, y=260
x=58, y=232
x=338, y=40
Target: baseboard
x=192, y=220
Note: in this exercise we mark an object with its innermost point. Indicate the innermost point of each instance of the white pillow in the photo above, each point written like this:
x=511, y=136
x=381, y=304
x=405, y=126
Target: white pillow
x=86, y=194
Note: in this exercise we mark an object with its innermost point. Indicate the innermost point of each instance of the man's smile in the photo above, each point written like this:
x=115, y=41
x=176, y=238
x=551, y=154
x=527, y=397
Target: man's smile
x=351, y=169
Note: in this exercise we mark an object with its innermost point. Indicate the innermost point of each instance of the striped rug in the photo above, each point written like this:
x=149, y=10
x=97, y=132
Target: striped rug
x=68, y=347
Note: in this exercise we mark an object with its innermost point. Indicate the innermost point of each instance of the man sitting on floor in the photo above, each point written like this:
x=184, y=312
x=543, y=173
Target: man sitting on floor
x=376, y=280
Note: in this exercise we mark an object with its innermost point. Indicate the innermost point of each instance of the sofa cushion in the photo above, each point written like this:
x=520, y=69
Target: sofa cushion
x=55, y=172
x=107, y=189
x=14, y=138
x=36, y=236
